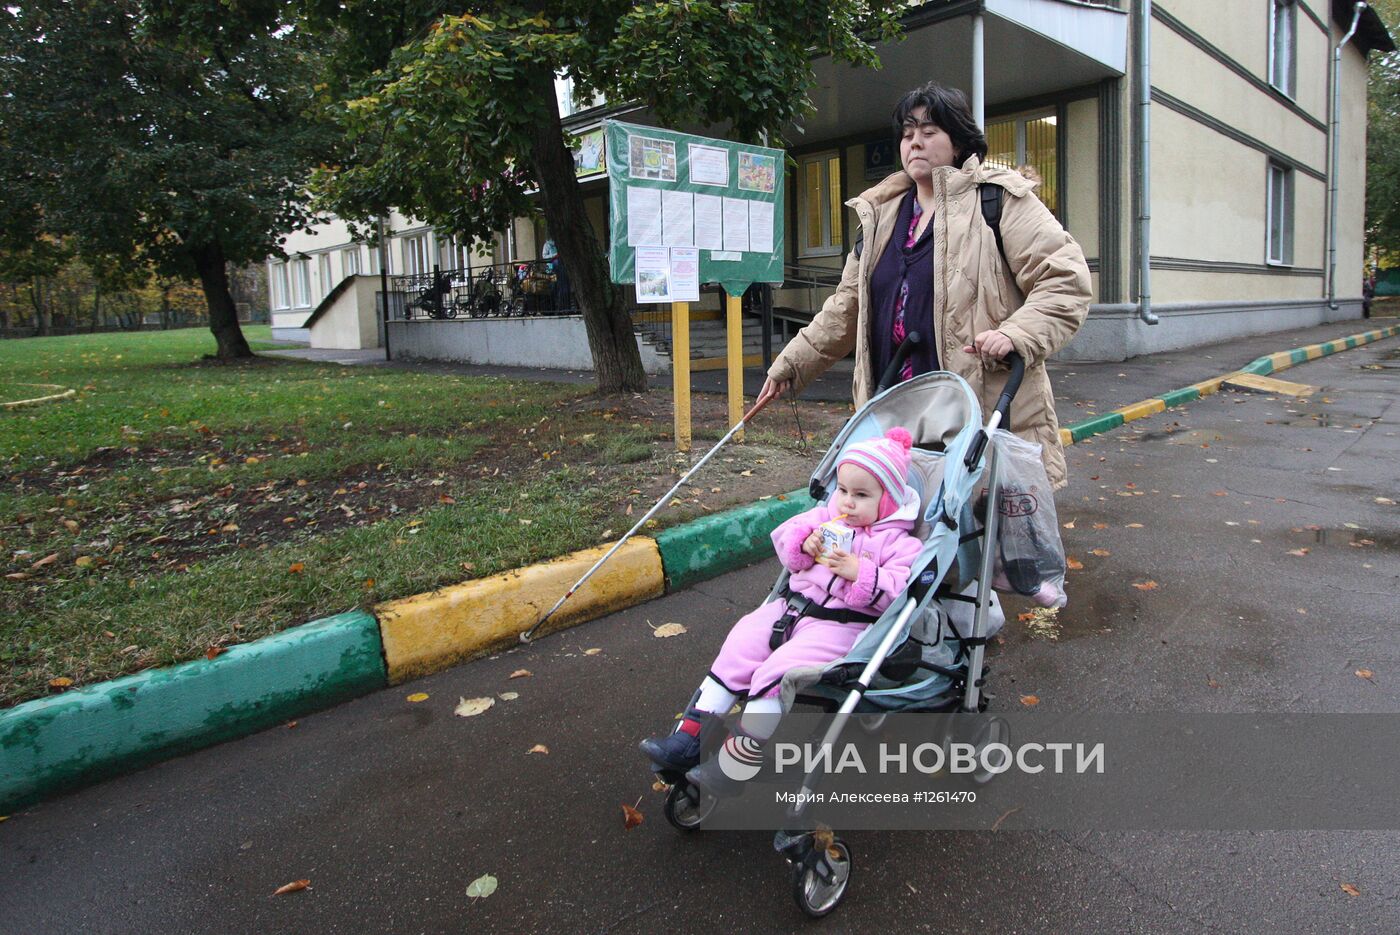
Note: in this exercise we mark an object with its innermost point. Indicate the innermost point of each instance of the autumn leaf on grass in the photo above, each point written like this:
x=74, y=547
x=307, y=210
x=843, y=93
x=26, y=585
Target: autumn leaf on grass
x=1350, y=889
x=631, y=818
x=482, y=886
x=1030, y=701
x=537, y=748
x=1074, y=564
x=417, y=697
x=668, y=629
x=292, y=887
x=1145, y=585
x=213, y=652
x=296, y=568
x=471, y=707
x=61, y=682
x=521, y=673
x=46, y=560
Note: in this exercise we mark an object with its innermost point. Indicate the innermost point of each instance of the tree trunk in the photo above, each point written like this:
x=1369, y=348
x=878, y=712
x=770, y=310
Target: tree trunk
x=164, y=308
x=42, y=315
x=223, y=315
x=611, y=340
x=96, y=308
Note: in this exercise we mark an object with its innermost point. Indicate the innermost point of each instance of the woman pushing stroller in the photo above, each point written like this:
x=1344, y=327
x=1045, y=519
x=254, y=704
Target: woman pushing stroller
x=835, y=593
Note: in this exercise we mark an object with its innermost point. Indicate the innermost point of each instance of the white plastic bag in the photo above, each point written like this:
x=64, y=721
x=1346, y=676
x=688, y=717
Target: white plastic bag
x=1029, y=557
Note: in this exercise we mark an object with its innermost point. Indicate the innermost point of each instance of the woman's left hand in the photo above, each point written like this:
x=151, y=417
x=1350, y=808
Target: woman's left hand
x=990, y=345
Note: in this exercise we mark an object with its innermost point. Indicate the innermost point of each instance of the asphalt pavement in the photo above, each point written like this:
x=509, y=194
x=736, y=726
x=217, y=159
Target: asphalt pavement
x=1277, y=579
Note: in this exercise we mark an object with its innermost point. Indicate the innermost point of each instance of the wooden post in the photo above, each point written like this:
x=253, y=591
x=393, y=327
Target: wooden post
x=680, y=371
x=734, y=335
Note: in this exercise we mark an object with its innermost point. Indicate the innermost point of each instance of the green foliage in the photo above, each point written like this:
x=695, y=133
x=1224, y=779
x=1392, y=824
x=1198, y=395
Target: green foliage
x=1383, y=144
x=446, y=126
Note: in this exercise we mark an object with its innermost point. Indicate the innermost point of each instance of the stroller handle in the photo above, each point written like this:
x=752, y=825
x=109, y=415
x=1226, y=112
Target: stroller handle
x=1013, y=383
x=901, y=354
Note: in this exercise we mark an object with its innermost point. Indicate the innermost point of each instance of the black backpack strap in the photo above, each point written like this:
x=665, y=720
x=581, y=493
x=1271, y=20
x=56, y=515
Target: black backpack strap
x=860, y=242
x=991, y=212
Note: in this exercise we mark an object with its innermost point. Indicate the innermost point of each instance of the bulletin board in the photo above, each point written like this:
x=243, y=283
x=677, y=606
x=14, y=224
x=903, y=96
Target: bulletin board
x=685, y=210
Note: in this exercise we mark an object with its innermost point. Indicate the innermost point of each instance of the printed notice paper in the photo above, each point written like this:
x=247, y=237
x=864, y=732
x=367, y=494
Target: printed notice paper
x=761, y=226
x=709, y=165
x=709, y=222
x=653, y=274
x=685, y=274
x=736, y=224
x=643, y=216
x=677, y=219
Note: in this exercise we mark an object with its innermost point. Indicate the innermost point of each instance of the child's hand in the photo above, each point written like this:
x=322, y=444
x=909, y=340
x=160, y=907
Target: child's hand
x=842, y=563
x=813, y=544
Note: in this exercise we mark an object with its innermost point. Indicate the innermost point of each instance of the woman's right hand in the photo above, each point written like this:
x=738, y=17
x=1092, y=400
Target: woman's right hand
x=772, y=389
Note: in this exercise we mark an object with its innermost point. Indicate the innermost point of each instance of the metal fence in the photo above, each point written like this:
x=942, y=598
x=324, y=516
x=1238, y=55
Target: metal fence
x=505, y=290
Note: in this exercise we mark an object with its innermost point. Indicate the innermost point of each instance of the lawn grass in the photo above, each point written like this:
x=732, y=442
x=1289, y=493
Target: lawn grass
x=177, y=505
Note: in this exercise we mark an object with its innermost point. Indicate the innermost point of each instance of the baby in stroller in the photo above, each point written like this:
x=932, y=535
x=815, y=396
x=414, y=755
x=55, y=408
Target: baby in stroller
x=834, y=594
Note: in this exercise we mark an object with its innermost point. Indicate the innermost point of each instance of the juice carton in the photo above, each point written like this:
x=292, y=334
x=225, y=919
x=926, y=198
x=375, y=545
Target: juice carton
x=836, y=535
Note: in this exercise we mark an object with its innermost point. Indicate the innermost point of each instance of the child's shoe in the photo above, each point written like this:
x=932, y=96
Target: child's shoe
x=679, y=751
x=740, y=759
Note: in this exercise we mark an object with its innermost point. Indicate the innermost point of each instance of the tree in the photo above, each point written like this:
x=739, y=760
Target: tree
x=151, y=133
x=1383, y=143
x=459, y=123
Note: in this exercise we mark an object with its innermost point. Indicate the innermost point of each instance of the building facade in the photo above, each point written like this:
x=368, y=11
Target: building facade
x=1188, y=146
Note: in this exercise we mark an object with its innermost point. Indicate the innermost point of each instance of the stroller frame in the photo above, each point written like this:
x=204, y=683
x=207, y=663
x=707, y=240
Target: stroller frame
x=821, y=862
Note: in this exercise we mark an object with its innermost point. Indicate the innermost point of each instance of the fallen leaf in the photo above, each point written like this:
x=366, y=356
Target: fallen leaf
x=520, y=674
x=1135, y=525
x=296, y=568
x=292, y=887
x=70, y=525
x=592, y=652
x=1350, y=890
x=1030, y=701
x=60, y=682
x=229, y=527
x=1385, y=501
x=508, y=696
x=1360, y=673
x=1299, y=552
x=444, y=498
x=1212, y=683
x=1074, y=564
x=1069, y=525
x=213, y=652
x=46, y=560
x=1101, y=553
x=481, y=887
x=668, y=629
x=746, y=473
x=631, y=818
x=1145, y=585
x=1101, y=525
x=471, y=707
x=468, y=566
x=537, y=748
x=417, y=697
x=17, y=576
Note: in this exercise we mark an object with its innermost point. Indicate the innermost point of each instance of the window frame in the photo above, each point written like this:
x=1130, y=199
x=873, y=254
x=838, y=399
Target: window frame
x=301, y=283
x=1019, y=122
x=350, y=260
x=323, y=270
x=1286, y=176
x=832, y=206
x=1285, y=12
x=280, y=285
x=416, y=263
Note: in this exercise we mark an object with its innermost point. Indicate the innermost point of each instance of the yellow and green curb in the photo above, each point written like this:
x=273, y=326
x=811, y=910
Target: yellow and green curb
x=53, y=744
x=1261, y=366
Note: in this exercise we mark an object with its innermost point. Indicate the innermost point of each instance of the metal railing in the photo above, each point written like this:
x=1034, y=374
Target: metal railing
x=522, y=289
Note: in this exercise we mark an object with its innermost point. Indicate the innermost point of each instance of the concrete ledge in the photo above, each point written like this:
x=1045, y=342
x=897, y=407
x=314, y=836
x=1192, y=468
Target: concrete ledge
x=715, y=544
x=428, y=632
x=1259, y=367
x=55, y=743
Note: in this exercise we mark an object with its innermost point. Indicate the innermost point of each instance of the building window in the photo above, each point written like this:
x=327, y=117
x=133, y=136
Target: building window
x=350, y=261
x=819, y=214
x=1030, y=140
x=323, y=270
x=277, y=280
x=1280, y=214
x=301, y=283
x=569, y=99
x=1283, y=45
x=374, y=259
x=415, y=254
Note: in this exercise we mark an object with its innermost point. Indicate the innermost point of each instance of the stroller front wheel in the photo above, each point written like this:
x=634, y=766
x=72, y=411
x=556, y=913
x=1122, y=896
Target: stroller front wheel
x=995, y=730
x=687, y=806
x=819, y=884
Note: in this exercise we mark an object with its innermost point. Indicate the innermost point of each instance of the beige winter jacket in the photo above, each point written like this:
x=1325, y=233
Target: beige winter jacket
x=1039, y=303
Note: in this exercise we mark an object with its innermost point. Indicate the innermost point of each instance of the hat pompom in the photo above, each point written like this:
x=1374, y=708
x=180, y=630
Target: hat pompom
x=901, y=437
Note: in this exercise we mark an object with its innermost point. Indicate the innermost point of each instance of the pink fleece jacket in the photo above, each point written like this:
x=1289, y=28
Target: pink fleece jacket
x=886, y=550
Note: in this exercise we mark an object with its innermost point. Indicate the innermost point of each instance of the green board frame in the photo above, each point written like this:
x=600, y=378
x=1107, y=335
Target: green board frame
x=674, y=174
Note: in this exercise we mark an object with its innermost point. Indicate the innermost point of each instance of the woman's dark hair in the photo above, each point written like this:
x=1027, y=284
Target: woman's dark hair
x=948, y=108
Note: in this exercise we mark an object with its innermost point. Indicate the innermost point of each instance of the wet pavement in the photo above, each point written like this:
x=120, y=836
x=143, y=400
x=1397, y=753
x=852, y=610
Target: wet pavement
x=1261, y=520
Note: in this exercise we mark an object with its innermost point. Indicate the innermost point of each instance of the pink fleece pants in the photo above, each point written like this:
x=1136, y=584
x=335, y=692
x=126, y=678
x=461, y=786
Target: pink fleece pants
x=745, y=664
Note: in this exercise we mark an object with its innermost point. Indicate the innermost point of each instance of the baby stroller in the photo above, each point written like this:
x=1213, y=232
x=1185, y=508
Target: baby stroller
x=916, y=656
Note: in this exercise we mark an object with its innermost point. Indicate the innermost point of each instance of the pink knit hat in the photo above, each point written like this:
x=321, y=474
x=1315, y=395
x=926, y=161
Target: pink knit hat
x=887, y=460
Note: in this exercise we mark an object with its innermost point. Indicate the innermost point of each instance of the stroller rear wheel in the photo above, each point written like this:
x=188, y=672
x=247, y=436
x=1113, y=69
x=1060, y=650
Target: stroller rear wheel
x=687, y=806
x=995, y=730
x=819, y=883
